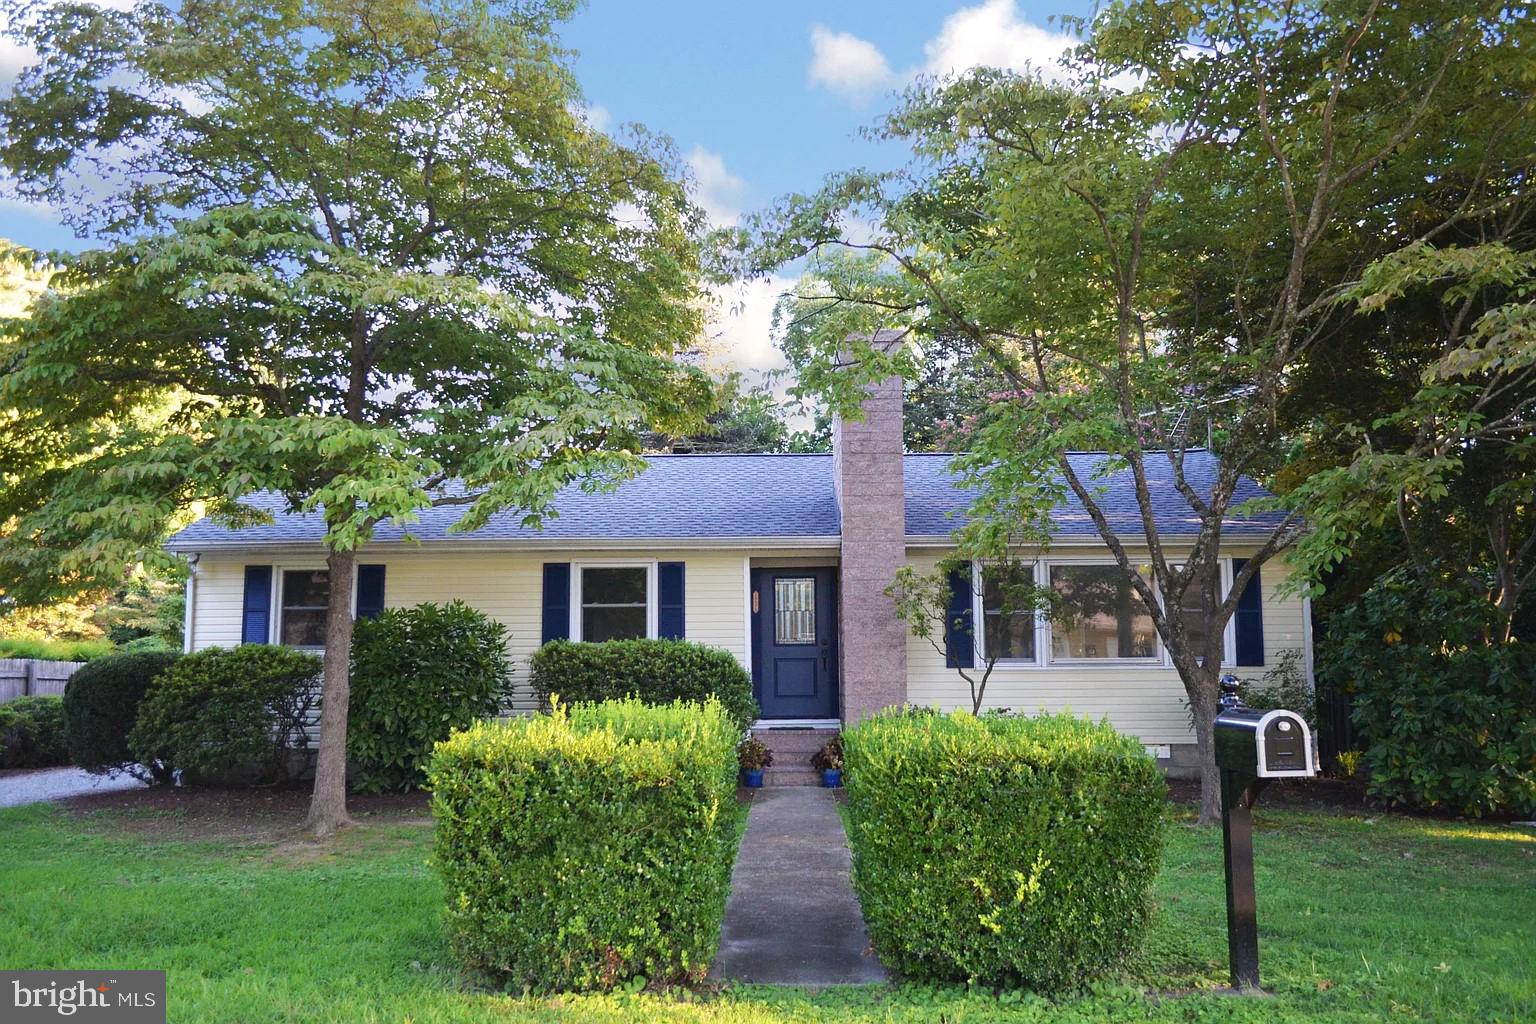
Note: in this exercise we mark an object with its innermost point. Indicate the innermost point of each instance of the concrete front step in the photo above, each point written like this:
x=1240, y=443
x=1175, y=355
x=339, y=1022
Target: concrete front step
x=791, y=777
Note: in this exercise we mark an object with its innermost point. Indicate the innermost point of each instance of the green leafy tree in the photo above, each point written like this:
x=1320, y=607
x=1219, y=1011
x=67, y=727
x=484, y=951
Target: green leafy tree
x=368, y=256
x=746, y=418
x=1201, y=158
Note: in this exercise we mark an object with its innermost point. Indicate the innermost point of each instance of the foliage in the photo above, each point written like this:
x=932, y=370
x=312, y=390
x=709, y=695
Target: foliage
x=1447, y=720
x=32, y=733
x=754, y=755
x=1454, y=954
x=1452, y=465
x=746, y=419
x=1001, y=850
x=830, y=756
x=455, y=292
x=591, y=846
x=101, y=705
x=227, y=711
x=55, y=650
x=417, y=675
x=1283, y=685
x=656, y=671
x=1143, y=249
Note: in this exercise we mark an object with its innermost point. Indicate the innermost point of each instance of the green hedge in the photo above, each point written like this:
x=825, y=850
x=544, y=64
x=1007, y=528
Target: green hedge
x=656, y=671
x=1446, y=719
x=101, y=704
x=32, y=733
x=588, y=847
x=229, y=714
x=1001, y=850
x=417, y=675
x=1451, y=730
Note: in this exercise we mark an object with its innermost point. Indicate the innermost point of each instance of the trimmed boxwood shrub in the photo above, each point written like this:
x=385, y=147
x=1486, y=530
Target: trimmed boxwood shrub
x=228, y=712
x=418, y=674
x=656, y=671
x=101, y=705
x=32, y=733
x=1001, y=850
x=588, y=847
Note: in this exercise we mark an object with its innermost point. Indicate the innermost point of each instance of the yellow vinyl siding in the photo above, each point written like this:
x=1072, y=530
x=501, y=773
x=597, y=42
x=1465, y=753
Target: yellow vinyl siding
x=1143, y=700
x=507, y=586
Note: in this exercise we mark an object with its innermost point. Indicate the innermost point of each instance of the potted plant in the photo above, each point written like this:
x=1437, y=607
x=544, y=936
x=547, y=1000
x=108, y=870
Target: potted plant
x=829, y=761
x=755, y=756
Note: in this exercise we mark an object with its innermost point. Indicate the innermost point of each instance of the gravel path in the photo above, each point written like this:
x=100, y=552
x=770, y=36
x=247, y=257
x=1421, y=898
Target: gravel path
x=45, y=784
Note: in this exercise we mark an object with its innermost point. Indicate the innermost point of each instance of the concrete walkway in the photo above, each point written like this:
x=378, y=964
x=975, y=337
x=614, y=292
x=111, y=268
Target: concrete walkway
x=792, y=918
x=45, y=784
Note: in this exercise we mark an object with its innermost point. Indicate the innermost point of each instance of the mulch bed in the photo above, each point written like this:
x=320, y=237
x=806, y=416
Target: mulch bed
x=214, y=812
x=1346, y=795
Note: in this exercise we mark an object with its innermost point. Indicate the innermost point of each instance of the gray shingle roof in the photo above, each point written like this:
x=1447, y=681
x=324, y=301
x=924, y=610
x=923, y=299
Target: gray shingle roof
x=738, y=498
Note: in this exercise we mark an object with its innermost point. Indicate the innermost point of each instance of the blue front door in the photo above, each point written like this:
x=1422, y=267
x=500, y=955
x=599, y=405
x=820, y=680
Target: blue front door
x=794, y=642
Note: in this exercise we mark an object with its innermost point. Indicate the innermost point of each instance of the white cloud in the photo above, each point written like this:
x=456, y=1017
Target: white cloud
x=995, y=35
x=717, y=191
x=990, y=34
x=596, y=115
x=739, y=334
x=846, y=64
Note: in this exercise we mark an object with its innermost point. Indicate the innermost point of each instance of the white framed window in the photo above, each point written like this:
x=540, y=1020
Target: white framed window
x=302, y=599
x=1106, y=621
x=1193, y=612
x=1013, y=635
x=1100, y=616
x=613, y=600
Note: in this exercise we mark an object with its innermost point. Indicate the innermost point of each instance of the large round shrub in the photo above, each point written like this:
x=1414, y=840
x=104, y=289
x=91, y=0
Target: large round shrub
x=656, y=671
x=228, y=712
x=418, y=674
x=590, y=847
x=32, y=733
x=1447, y=719
x=101, y=704
x=1001, y=850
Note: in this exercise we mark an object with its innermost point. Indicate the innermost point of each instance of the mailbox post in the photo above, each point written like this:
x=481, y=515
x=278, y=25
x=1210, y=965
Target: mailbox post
x=1252, y=747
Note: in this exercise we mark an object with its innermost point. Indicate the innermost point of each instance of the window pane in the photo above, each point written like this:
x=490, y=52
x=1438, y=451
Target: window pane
x=1099, y=614
x=1010, y=636
x=306, y=588
x=612, y=623
x=303, y=627
x=1193, y=610
x=613, y=586
x=794, y=611
x=301, y=621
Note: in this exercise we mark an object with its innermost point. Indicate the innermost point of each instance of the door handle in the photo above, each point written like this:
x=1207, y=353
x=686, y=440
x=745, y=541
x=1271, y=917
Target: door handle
x=825, y=652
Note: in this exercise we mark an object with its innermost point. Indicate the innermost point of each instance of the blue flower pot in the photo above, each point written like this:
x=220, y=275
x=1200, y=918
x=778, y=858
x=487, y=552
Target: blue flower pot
x=752, y=778
x=831, y=778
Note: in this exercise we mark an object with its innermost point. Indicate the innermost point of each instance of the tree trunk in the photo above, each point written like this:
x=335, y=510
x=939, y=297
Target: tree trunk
x=328, y=806
x=1202, y=702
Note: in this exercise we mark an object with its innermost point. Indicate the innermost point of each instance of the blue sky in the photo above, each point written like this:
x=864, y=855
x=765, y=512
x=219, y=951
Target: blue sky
x=761, y=98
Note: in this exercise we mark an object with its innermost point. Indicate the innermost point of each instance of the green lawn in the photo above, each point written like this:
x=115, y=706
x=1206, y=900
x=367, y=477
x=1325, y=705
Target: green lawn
x=1367, y=919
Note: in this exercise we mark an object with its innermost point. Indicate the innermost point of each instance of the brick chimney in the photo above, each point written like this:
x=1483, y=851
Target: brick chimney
x=867, y=476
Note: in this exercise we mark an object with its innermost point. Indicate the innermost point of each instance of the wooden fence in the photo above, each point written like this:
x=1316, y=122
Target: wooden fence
x=27, y=677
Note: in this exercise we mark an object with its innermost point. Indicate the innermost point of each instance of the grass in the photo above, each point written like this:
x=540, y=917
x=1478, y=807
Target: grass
x=1361, y=919
x=55, y=650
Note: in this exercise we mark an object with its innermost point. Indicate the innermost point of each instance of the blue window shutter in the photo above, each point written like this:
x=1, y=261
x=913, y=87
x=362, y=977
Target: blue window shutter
x=1249, y=619
x=256, y=609
x=557, y=601
x=959, y=623
x=669, y=601
x=370, y=590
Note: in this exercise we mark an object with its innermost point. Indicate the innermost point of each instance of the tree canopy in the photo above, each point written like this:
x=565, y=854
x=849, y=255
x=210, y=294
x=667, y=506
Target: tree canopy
x=1146, y=254
x=368, y=256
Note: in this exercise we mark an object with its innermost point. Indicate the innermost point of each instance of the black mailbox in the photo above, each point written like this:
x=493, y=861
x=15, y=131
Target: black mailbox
x=1270, y=744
